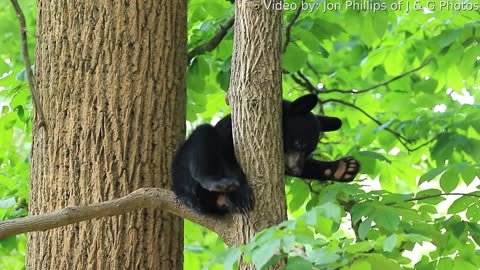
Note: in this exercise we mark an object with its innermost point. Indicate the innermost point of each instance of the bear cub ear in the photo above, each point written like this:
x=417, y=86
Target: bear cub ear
x=304, y=104
x=328, y=123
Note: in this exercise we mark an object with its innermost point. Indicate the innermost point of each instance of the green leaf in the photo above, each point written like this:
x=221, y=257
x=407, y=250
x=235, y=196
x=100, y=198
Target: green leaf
x=461, y=264
x=324, y=226
x=299, y=192
x=445, y=264
x=308, y=39
x=294, y=58
x=231, y=257
x=323, y=256
x=387, y=220
x=364, y=228
x=389, y=243
x=9, y=242
x=474, y=230
x=387, y=179
x=361, y=265
x=431, y=174
x=360, y=210
x=449, y=180
x=374, y=58
x=461, y=204
x=298, y=263
x=473, y=213
x=447, y=37
x=458, y=228
x=394, y=62
x=380, y=262
x=262, y=255
x=21, y=98
x=360, y=247
x=468, y=174
x=427, y=86
x=418, y=238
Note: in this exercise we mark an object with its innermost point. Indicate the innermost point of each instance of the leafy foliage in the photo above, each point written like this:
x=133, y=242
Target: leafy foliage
x=405, y=85
x=15, y=130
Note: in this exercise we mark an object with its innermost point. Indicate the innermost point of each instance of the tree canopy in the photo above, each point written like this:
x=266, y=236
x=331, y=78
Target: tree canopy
x=404, y=82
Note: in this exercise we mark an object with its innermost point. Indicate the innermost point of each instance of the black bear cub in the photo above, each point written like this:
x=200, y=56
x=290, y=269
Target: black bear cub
x=207, y=176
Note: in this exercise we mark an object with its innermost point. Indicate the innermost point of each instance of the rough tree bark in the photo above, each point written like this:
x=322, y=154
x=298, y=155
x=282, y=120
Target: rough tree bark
x=255, y=96
x=111, y=76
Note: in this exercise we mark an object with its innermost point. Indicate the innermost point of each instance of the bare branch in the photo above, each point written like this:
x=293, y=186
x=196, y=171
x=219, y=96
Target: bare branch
x=428, y=61
x=396, y=134
x=288, y=29
x=213, y=42
x=435, y=196
x=442, y=194
x=28, y=67
x=140, y=198
x=402, y=139
x=316, y=90
x=423, y=144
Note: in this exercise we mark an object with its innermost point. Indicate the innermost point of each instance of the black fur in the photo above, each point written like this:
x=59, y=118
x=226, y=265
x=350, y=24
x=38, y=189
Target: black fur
x=207, y=176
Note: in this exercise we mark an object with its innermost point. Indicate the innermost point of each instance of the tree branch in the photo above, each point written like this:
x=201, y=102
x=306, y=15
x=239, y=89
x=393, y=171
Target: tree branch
x=441, y=194
x=288, y=29
x=316, y=90
x=213, y=42
x=402, y=139
x=396, y=134
x=428, y=61
x=28, y=67
x=140, y=198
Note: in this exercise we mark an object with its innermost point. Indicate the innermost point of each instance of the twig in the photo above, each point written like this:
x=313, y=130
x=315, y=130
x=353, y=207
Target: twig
x=288, y=29
x=435, y=196
x=347, y=206
x=310, y=85
x=428, y=61
x=213, y=42
x=402, y=139
x=140, y=198
x=305, y=83
x=302, y=83
x=395, y=133
x=28, y=68
x=355, y=228
x=423, y=144
x=441, y=194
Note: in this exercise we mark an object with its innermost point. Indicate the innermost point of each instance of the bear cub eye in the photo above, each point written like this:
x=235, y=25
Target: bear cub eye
x=299, y=145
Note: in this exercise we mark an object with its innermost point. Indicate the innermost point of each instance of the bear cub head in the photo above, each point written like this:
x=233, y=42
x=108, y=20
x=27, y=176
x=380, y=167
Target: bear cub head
x=302, y=130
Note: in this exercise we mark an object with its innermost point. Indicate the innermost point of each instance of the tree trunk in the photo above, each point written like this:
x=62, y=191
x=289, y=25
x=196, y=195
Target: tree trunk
x=255, y=96
x=111, y=76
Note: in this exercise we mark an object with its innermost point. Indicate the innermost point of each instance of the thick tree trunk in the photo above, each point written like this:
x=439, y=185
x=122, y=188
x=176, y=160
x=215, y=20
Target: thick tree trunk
x=111, y=76
x=255, y=96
